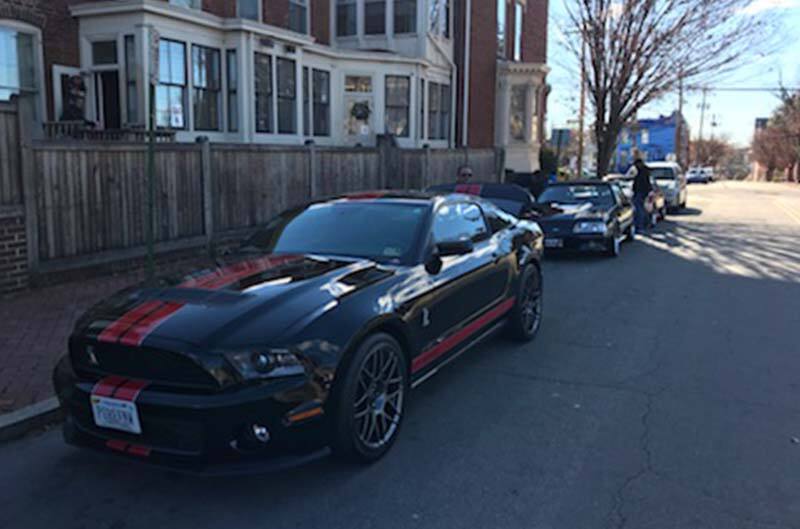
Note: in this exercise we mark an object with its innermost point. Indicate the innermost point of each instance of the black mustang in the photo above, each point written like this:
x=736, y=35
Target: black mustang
x=584, y=215
x=307, y=340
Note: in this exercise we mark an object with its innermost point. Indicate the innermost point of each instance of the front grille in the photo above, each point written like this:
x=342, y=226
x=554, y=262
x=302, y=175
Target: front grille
x=557, y=227
x=163, y=368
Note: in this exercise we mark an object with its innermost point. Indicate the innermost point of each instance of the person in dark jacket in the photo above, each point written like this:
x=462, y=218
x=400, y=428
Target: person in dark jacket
x=641, y=189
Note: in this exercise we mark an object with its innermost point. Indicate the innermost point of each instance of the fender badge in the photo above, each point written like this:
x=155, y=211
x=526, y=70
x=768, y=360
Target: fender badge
x=426, y=317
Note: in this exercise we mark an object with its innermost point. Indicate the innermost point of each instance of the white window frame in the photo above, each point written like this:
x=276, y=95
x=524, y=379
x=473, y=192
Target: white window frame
x=260, y=6
x=307, y=5
x=58, y=95
x=38, y=52
x=519, y=17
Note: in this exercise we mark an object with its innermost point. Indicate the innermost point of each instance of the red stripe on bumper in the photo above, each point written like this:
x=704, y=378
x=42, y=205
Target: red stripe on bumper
x=106, y=386
x=130, y=390
x=116, y=329
x=137, y=334
x=117, y=445
x=459, y=336
x=141, y=451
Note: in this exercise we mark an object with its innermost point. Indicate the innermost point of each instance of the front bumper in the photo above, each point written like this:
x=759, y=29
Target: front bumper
x=575, y=242
x=205, y=433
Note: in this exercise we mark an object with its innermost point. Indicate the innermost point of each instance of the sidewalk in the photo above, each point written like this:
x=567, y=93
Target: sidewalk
x=34, y=327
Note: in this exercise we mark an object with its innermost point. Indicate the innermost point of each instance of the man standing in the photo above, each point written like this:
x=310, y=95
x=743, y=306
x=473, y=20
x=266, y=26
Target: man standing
x=641, y=189
x=464, y=174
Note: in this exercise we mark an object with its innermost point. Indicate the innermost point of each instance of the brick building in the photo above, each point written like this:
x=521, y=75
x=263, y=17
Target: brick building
x=443, y=73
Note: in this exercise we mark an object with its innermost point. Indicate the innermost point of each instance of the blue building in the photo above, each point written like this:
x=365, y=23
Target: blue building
x=652, y=140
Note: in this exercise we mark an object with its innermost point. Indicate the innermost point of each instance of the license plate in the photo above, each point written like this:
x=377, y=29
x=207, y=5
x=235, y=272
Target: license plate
x=554, y=243
x=116, y=414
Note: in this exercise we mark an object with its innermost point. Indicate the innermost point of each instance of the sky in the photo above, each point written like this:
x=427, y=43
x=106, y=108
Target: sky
x=728, y=114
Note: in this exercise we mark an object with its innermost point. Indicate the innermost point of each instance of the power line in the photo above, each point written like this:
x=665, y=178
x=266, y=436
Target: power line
x=743, y=89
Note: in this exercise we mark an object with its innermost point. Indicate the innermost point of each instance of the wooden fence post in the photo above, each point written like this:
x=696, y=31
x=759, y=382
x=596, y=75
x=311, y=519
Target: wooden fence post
x=313, y=168
x=25, y=123
x=208, y=192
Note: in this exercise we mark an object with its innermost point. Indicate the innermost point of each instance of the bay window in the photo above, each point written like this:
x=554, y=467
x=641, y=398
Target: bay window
x=374, y=17
x=516, y=120
x=170, y=92
x=192, y=4
x=322, y=102
x=232, y=69
x=298, y=16
x=131, y=93
x=264, y=99
x=345, y=18
x=398, y=101
x=405, y=16
x=207, y=86
x=438, y=111
x=287, y=94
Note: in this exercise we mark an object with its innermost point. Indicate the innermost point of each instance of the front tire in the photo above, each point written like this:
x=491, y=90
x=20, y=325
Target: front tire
x=370, y=402
x=526, y=316
x=613, y=246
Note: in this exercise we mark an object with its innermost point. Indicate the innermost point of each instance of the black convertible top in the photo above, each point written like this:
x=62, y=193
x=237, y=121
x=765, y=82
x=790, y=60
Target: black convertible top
x=509, y=197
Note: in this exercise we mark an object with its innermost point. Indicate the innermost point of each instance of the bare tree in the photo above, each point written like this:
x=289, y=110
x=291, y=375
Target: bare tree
x=777, y=147
x=710, y=152
x=639, y=50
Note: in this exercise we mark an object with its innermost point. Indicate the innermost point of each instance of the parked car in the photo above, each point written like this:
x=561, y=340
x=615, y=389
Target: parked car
x=656, y=203
x=587, y=215
x=700, y=175
x=307, y=339
x=511, y=198
x=671, y=179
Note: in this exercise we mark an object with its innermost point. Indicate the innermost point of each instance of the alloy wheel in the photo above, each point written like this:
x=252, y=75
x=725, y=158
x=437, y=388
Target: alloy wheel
x=531, y=310
x=378, y=404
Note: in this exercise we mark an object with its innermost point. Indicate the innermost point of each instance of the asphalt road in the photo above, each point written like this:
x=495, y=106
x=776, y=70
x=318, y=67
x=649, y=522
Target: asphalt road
x=662, y=392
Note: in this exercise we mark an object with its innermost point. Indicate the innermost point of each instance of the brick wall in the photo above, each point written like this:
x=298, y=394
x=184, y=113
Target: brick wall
x=483, y=73
x=276, y=13
x=13, y=251
x=221, y=8
x=534, y=32
x=321, y=20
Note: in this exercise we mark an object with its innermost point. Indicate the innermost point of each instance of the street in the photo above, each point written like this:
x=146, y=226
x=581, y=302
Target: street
x=661, y=392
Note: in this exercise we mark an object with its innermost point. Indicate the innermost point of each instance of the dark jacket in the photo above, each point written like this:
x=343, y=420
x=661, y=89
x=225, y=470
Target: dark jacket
x=642, y=185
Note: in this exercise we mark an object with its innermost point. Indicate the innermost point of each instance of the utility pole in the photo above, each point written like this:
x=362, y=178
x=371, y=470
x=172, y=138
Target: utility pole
x=582, y=109
x=679, y=123
x=703, y=111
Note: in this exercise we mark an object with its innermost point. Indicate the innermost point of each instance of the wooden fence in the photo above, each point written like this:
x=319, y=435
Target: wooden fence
x=90, y=198
x=10, y=181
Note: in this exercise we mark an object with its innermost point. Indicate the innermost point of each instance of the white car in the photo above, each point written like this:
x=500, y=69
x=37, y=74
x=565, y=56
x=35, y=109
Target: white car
x=701, y=175
x=672, y=181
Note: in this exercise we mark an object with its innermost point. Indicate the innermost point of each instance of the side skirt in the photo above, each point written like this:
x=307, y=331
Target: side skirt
x=475, y=341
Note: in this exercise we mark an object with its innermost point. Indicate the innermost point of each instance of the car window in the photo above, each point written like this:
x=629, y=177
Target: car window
x=462, y=220
x=598, y=195
x=497, y=218
x=663, y=173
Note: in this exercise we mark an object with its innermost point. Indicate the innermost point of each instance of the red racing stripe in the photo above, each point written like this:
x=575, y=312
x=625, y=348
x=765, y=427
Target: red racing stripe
x=141, y=451
x=231, y=274
x=116, y=329
x=130, y=390
x=456, y=338
x=469, y=189
x=138, y=332
x=115, y=444
x=106, y=386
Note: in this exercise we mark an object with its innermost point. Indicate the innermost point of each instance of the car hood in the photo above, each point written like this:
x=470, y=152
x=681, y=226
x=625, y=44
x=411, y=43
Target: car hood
x=564, y=212
x=240, y=302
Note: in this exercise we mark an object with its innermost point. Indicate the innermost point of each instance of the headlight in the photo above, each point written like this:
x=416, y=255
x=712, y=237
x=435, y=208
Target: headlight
x=266, y=364
x=590, y=227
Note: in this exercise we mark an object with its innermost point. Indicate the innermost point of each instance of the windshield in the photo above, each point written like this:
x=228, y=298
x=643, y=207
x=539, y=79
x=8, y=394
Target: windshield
x=384, y=232
x=597, y=195
x=662, y=173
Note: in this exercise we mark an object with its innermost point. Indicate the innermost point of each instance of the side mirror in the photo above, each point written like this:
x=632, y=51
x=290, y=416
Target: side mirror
x=458, y=247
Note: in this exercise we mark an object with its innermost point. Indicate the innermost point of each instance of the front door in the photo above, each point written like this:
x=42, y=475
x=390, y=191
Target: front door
x=107, y=100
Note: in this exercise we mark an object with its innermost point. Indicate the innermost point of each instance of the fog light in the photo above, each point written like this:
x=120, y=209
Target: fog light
x=261, y=433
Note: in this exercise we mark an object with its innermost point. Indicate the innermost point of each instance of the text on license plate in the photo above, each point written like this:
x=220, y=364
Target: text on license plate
x=554, y=243
x=116, y=414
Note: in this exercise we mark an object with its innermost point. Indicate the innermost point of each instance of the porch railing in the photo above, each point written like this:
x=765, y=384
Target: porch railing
x=80, y=130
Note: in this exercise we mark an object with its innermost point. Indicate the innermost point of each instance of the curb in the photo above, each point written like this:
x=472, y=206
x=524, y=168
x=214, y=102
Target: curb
x=18, y=423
